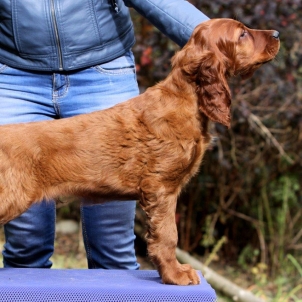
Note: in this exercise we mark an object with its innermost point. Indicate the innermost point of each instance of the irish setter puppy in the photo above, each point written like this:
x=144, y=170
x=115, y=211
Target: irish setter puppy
x=146, y=148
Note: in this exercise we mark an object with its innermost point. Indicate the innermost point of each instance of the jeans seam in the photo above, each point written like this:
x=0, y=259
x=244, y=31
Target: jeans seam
x=56, y=105
x=67, y=85
x=87, y=246
x=56, y=96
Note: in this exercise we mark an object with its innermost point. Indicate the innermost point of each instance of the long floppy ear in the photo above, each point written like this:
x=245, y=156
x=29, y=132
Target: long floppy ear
x=189, y=59
x=214, y=96
x=199, y=64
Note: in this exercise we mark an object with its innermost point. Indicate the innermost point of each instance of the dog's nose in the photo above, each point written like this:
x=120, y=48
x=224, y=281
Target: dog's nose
x=275, y=34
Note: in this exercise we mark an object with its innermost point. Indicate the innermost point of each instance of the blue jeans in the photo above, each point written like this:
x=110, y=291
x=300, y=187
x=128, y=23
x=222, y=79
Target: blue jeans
x=108, y=229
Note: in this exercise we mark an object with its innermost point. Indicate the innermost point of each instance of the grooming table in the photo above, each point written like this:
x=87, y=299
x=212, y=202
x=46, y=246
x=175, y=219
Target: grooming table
x=95, y=285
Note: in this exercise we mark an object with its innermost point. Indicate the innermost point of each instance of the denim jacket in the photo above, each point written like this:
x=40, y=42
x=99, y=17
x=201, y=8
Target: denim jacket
x=53, y=35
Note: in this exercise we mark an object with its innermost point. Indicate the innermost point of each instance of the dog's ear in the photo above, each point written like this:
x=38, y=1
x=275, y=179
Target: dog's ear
x=199, y=63
x=214, y=96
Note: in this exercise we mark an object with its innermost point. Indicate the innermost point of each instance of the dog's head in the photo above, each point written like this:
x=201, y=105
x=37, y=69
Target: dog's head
x=218, y=49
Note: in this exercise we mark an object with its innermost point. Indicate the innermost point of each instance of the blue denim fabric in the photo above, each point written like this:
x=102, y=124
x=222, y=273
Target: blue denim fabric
x=27, y=96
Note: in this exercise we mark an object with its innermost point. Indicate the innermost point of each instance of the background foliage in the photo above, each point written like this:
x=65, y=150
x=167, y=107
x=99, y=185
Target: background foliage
x=248, y=191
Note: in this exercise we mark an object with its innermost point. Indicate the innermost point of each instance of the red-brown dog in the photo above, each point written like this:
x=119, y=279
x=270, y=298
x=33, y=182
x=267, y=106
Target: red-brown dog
x=147, y=148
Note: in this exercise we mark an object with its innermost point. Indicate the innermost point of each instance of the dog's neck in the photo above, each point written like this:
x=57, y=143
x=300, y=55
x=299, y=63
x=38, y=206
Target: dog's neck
x=176, y=90
x=177, y=84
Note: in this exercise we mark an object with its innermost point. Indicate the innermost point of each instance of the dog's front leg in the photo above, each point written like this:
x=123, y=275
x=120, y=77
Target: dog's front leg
x=162, y=239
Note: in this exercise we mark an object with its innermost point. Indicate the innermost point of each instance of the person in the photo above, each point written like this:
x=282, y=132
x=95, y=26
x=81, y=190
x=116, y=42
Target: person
x=63, y=58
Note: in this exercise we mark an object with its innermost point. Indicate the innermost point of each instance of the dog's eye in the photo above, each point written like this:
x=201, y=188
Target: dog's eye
x=243, y=34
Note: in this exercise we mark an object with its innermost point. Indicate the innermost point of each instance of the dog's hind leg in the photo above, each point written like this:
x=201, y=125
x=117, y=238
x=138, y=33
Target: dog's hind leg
x=162, y=238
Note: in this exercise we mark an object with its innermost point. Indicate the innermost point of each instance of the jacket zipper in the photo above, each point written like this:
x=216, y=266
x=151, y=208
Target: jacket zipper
x=114, y=5
x=58, y=43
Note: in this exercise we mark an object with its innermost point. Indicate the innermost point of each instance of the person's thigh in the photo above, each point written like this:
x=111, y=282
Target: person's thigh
x=26, y=97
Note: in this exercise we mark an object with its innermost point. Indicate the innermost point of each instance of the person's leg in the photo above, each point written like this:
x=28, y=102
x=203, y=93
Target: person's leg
x=30, y=238
x=26, y=97
x=108, y=232
x=108, y=229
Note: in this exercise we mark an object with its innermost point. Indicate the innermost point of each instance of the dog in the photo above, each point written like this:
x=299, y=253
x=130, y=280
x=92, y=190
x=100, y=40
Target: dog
x=147, y=148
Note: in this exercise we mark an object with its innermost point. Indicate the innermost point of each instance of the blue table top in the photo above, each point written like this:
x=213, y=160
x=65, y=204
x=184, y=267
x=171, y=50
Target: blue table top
x=95, y=285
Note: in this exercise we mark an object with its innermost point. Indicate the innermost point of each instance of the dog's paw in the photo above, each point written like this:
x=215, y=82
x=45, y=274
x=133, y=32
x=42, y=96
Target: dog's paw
x=183, y=274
